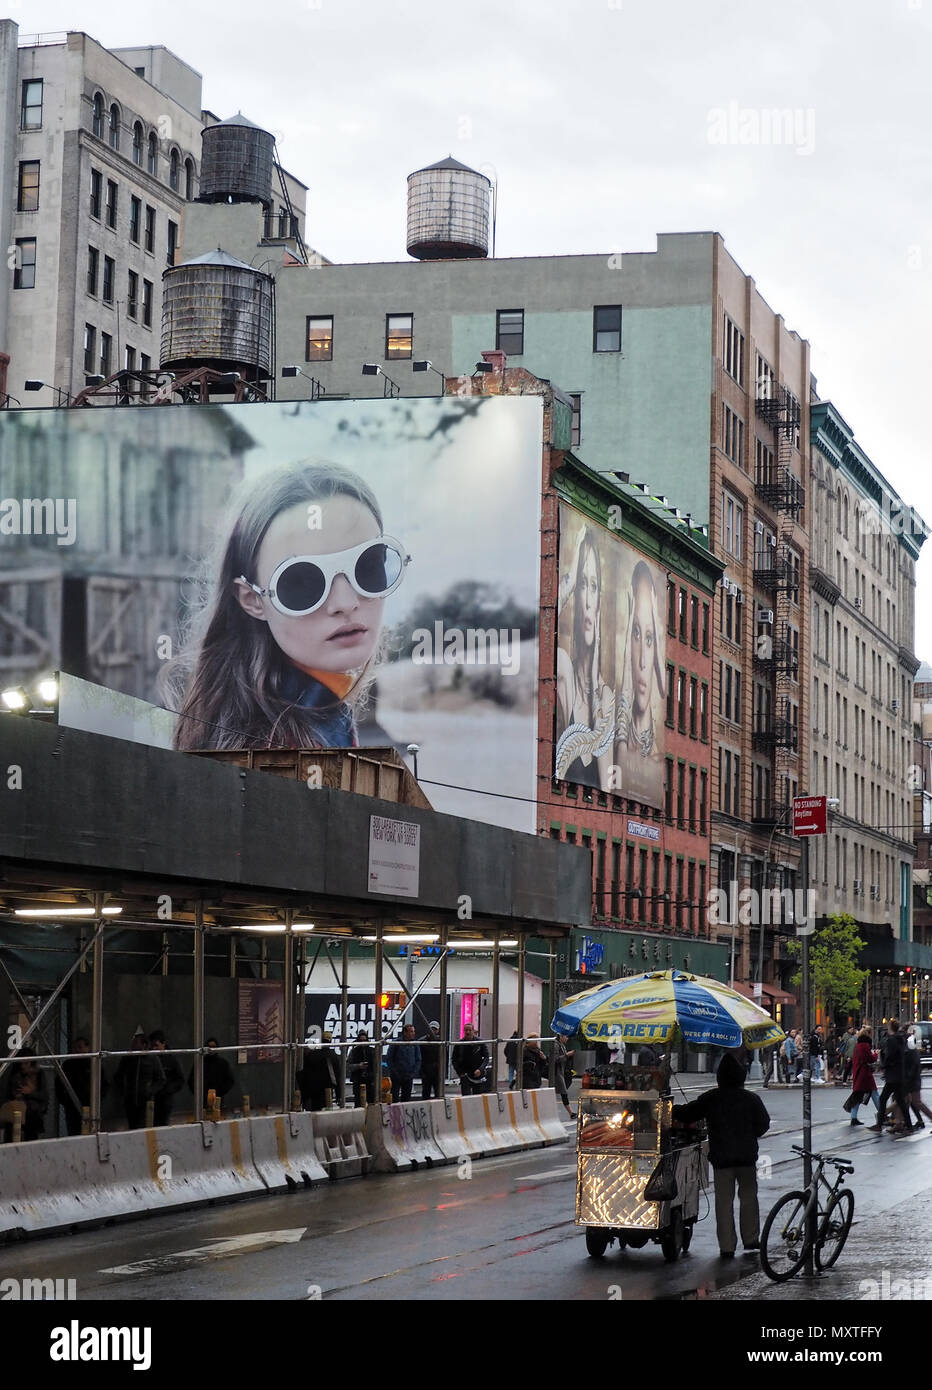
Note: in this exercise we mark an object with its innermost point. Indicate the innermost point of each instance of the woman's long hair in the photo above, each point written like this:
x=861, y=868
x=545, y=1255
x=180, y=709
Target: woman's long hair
x=228, y=683
x=579, y=638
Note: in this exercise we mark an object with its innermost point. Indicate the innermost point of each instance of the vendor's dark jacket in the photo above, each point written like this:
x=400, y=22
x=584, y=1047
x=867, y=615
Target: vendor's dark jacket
x=912, y=1071
x=469, y=1057
x=736, y=1118
x=892, y=1052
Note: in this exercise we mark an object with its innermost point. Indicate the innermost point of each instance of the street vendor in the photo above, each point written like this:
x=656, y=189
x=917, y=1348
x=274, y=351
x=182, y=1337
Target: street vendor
x=736, y=1119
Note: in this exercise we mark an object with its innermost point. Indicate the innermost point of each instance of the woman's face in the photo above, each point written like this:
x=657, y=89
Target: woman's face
x=342, y=634
x=642, y=648
x=588, y=597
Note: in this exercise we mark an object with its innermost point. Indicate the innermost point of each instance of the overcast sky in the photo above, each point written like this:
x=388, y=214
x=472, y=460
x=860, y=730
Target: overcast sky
x=600, y=120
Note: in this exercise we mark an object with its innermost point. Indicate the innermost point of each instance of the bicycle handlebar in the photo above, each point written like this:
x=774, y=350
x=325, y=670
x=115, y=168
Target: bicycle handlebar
x=841, y=1163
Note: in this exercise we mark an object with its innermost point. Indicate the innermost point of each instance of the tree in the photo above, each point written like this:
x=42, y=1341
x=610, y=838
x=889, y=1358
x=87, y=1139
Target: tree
x=833, y=963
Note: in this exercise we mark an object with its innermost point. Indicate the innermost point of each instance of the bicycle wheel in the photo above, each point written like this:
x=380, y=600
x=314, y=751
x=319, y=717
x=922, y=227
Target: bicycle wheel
x=833, y=1231
x=783, y=1239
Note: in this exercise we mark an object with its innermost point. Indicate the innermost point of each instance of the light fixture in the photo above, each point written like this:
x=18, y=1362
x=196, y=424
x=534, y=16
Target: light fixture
x=316, y=389
x=405, y=938
x=66, y=912
x=14, y=697
x=95, y=379
x=47, y=690
x=270, y=926
x=391, y=388
x=427, y=366
x=370, y=369
x=34, y=384
x=482, y=945
x=290, y=371
x=483, y=367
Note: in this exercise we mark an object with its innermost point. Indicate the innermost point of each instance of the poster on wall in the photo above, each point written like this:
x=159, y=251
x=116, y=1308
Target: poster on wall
x=289, y=574
x=611, y=671
x=261, y=1010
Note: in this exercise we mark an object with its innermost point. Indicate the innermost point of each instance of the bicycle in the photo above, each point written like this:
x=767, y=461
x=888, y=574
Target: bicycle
x=787, y=1235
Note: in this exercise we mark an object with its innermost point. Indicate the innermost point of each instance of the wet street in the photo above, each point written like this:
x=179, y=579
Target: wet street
x=497, y=1230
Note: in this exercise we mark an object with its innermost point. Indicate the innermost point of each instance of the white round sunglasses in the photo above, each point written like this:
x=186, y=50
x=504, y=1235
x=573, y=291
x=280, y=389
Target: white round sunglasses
x=300, y=585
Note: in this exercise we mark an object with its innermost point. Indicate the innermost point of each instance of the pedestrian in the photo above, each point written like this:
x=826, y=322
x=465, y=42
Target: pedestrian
x=535, y=1065
x=647, y=1056
x=892, y=1051
x=831, y=1053
x=863, y=1085
x=471, y=1062
x=404, y=1064
x=603, y=1054
x=511, y=1057
x=431, y=1062
x=25, y=1083
x=139, y=1078
x=173, y=1079
x=849, y=1043
x=563, y=1072
x=77, y=1070
x=817, y=1055
x=319, y=1074
x=218, y=1074
x=361, y=1064
x=912, y=1080
x=788, y=1050
x=736, y=1119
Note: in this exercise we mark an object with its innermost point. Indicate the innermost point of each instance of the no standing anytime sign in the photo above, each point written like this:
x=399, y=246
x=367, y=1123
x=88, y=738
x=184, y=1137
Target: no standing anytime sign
x=809, y=815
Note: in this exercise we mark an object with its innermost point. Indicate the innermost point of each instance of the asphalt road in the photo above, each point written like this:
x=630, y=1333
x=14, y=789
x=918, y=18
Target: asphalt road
x=498, y=1232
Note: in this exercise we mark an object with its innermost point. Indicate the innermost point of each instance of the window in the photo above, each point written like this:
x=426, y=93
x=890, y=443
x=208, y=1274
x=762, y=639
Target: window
x=694, y=621
x=106, y=293
x=114, y=130
x=734, y=351
x=149, y=242
x=145, y=365
x=704, y=712
x=130, y=364
x=174, y=170
x=137, y=143
x=729, y=692
x=399, y=335
x=671, y=607
x=97, y=118
x=793, y=415
x=693, y=705
x=106, y=342
x=135, y=215
x=732, y=524
x=96, y=185
x=668, y=790
x=320, y=339
x=681, y=701
x=152, y=157
x=692, y=799
x=705, y=629
x=732, y=610
x=172, y=242
x=28, y=192
x=682, y=613
x=606, y=328
x=763, y=474
x=147, y=303
x=509, y=331
x=24, y=272
x=764, y=375
x=111, y=204
x=189, y=179
x=733, y=436
x=93, y=261
x=671, y=695
x=703, y=798
x=132, y=294
x=30, y=113
x=729, y=781
x=90, y=346
x=576, y=398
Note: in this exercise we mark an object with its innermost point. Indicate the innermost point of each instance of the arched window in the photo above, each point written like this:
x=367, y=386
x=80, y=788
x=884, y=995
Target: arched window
x=114, y=127
x=174, y=170
x=189, y=180
x=153, y=157
x=98, y=120
x=137, y=143
x=844, y=506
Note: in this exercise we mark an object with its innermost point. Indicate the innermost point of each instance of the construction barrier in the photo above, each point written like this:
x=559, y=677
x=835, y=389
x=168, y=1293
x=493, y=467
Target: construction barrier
x=283, y=1152
x=401, y=1135
x=340, y=1142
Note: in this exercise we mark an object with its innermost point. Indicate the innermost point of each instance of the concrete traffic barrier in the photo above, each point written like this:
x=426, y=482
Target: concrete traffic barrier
x=400, y=1136
x=546, y=1120
x=283, y=1152
x=452, y=1132
x=340, y=1142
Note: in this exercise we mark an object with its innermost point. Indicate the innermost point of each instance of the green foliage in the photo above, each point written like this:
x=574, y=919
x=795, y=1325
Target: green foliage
x=833, y=963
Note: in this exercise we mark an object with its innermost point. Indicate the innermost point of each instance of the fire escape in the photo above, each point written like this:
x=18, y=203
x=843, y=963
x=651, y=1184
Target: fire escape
x=777, y=571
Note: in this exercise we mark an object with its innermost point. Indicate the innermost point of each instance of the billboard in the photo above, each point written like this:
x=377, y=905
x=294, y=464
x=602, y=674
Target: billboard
x=288, y=574
x=611, y=672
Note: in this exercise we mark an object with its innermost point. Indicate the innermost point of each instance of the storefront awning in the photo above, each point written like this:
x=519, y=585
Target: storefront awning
x=772, y=994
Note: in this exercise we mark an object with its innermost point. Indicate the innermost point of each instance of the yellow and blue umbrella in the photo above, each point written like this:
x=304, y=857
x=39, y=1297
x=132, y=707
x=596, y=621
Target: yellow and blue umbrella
x=645, y=1009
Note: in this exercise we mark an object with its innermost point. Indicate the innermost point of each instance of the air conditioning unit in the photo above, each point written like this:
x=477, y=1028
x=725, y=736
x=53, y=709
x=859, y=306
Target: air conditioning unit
x=875, y=890
x=859, y=603
x=765, y=615
x=759, y=528
x=725, y=581
x=733, y=588
x=857, y=887
x=772, y=540
x=895, y=706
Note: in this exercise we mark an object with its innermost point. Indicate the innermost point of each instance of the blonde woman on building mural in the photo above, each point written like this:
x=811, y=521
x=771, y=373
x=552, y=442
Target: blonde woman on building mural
x=638, y=751
x=285, y=641
x=585, y=701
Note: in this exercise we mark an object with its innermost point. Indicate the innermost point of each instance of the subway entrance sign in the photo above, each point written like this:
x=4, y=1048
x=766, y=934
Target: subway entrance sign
x=809, y=815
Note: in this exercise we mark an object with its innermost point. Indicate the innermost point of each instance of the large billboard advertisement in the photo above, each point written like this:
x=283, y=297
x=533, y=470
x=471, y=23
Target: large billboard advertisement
x=611, y=672
x=290, y=574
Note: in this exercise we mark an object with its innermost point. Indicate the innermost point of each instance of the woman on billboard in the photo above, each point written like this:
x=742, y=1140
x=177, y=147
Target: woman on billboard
x=585, y=701
x=638, y=749
x=285, y=645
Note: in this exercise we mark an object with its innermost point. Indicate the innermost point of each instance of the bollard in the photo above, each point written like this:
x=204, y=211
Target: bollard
x=215, y=1109
x=150, y=1114
x=245, y=1105
x=17, y=1126
x=363, y=1101
x=85, y=1119
x=328, y=1098
x=296, y=1101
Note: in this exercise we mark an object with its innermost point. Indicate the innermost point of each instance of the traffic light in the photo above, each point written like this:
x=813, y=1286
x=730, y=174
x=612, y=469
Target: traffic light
x=392, y=1000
